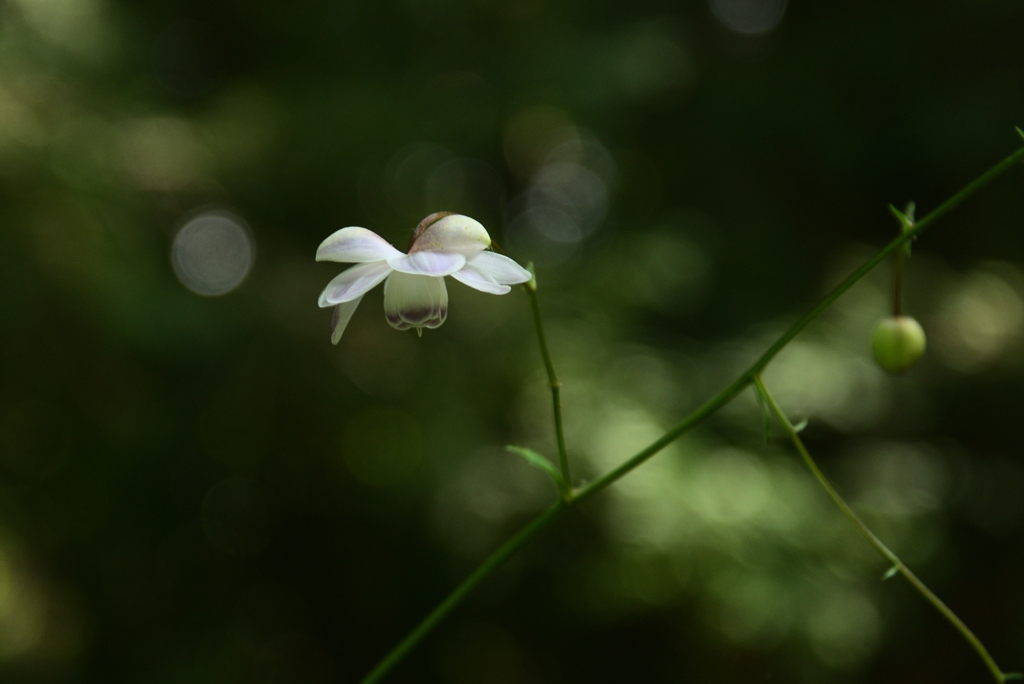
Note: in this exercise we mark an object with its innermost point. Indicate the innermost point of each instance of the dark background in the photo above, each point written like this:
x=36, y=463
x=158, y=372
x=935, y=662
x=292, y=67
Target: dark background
x=202, y=489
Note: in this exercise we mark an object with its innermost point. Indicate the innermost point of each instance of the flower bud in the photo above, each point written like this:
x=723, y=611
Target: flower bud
x=898, y=342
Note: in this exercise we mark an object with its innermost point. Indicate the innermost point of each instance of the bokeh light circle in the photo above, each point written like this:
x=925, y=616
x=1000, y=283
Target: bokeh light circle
x=749, y=16
x=212, y=253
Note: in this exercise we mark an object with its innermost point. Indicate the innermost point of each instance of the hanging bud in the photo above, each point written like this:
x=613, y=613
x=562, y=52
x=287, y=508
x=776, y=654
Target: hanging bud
x=898, y=342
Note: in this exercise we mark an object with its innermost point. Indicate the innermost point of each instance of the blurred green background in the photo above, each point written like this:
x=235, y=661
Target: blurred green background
x=195, y=486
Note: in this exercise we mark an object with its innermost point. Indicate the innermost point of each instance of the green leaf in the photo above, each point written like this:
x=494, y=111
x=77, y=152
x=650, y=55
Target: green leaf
x=763, y=402
x=891, y=572
x=541, y=463
x=906, y=220
x=1013, y=675
x=1019, y=132
x=799, y=427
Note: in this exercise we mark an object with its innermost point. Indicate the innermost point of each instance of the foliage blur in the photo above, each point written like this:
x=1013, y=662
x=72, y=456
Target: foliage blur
x=195, y=486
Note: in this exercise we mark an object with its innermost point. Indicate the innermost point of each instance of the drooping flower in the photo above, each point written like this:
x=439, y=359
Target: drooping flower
x=414, y=291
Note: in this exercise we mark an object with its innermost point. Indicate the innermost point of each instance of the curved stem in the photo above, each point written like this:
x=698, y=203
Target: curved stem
x=762, y=362
x=455, y=598
x=709, y=407
x=884, y=550
x=556, y=387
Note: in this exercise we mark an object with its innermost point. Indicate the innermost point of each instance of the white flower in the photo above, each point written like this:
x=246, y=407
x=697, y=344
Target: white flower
x=414, y=292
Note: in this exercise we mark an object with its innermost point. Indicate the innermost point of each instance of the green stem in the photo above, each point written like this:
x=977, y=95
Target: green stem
x=709, y=407
x=556, y=388
x=897, y=285
x=748, y=375
x=875, y=541
x=455, y=598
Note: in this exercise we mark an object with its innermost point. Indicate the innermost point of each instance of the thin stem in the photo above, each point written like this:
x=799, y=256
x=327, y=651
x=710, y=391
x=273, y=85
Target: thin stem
x=875, y=541
x=556, y=388
x=709, y=407
x=455, y=598
x=897, y=284
x=747, y=376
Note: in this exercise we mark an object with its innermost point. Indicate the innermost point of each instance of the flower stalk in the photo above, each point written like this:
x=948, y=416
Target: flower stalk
x=556, y=388
x=906, y=220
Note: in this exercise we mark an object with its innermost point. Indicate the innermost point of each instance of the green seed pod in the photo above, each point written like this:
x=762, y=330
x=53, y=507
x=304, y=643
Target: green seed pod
x=898, y=342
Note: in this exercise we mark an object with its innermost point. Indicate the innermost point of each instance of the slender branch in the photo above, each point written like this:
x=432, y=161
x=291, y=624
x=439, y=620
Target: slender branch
x=747, y=376
x=556, y=388
x=455, y=598
x=709, y=407
x=875, y=541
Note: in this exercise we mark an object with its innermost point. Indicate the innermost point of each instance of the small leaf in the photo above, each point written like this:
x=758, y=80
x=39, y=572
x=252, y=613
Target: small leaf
x=763, y=403
x=909, y=211
x=905, y=222
x=541, y=463
x=1013, y=675
x=1019, y=132
x=891, y=572
x=799, y=427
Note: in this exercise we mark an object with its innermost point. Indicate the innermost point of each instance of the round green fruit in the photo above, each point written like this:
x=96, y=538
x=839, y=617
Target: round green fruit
x=898, y=342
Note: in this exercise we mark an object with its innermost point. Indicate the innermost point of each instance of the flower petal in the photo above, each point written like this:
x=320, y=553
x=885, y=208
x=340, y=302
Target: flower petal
x=353, y=283
x=502, y=269
x=453, y=233
x=342, y=315
x=478, y=280
x=428, y=263
x=415, y=301
x=354, y=245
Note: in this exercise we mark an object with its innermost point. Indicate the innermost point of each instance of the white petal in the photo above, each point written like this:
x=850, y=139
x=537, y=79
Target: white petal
x=479, y=280
x=454, y=233
x=500, y=268
x=342, y=315
x=353, y=283
x=354, y=245
x=415, y=301
x=428, y=263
